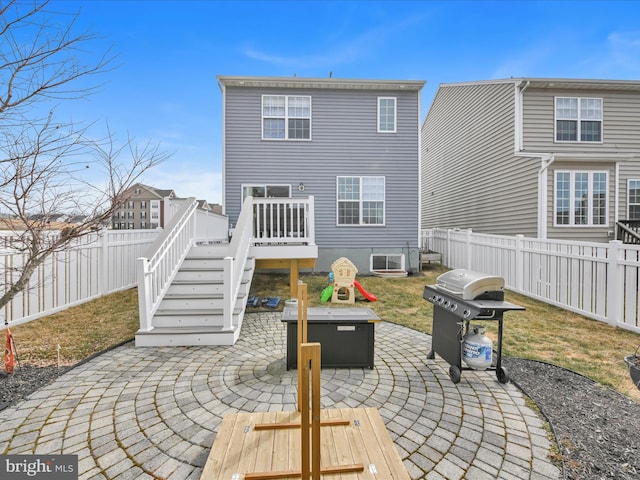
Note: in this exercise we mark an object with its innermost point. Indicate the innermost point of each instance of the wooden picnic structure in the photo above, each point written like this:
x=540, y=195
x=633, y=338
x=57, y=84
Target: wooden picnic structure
x=310, y=443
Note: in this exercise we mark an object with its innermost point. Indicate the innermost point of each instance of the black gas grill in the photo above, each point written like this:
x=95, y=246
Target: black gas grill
x=458, y=297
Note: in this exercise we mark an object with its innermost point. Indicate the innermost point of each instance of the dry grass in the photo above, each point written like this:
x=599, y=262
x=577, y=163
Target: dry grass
x=79, y=331
x=542, y=332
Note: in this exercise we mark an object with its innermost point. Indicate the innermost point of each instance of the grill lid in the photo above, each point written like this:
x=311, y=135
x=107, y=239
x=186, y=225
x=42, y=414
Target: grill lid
x=468, y=285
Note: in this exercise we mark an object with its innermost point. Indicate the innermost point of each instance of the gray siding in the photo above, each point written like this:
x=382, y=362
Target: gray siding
x=471, y=177
x=344, y=141
x=603, y=233
x=620, y=129
x=621, y=145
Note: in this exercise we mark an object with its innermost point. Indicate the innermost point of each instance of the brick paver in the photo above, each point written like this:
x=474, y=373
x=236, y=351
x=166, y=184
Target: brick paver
x=154, y=412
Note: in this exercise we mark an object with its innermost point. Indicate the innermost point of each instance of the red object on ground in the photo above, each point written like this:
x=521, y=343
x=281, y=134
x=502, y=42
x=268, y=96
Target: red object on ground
x=9, y=353
x=369, y=296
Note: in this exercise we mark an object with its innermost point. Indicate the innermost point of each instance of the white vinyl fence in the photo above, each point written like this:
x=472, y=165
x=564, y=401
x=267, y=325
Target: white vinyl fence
x=98, y=264
x=597, y=280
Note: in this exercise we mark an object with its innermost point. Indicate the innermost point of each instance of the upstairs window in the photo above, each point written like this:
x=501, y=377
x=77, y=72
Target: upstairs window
x=286, y=117
x=634, y=200
x=361, y=200
x=386, y=114
x=578, y=119
x=581, y=198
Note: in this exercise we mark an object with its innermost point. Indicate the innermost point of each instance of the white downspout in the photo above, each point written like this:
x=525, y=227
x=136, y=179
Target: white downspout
x=546, y=159
x=223, y=90
x=545, y=162
x=616, y=214
x=519, y=90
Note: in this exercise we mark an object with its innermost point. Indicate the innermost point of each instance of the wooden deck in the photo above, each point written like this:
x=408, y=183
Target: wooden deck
x=241, y=451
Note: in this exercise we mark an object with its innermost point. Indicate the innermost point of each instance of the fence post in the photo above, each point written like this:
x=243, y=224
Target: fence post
x=519, y=263
x=615, y=284
x=105, y=267
x=228, y=302
x=144, y=294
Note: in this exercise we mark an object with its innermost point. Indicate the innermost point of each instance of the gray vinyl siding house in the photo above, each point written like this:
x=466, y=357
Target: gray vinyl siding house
x=547, y=158
x=339, y=142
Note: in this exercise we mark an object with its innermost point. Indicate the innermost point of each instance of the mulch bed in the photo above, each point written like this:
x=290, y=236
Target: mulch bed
x=597, y=428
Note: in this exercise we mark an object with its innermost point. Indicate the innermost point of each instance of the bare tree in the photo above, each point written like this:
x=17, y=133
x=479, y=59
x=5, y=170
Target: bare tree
x=49, y=167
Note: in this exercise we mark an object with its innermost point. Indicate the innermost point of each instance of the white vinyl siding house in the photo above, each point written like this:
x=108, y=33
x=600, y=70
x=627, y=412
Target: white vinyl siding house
x=552, y=158
x=304, y=135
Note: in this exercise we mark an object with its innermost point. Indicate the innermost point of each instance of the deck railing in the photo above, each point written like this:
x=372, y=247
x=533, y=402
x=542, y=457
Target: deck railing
x=235, y=262
x=283, y=220
x=628, y=231
x=158, y=269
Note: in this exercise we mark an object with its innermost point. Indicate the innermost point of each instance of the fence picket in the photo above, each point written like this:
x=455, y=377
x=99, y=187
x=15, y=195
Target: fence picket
x=98, y=264
x=597, y=280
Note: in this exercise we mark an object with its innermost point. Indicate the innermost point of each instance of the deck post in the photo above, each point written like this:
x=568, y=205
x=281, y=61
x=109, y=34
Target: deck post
x=144, y=294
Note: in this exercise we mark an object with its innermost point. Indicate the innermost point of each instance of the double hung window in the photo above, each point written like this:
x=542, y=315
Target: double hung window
x=578, y=119
x=581, y=198
x=386, y=114
x=286, y=117
x=361, y=200
x=633, y=200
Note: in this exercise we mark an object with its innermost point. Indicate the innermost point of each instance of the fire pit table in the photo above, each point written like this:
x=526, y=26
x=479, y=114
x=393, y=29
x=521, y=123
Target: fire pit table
x=458, y=297
x=347, y=335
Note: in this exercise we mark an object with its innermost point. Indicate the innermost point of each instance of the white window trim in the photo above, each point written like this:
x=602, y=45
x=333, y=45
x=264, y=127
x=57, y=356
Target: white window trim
x=629, y=195
x=286, y=119
x=572, y=223
x=262, y=185
x=395, y=115
x=387, y=255
x=360, y=224
x=578, y=126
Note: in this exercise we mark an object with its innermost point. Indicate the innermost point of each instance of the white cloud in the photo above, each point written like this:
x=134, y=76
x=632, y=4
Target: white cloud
x=624, y=53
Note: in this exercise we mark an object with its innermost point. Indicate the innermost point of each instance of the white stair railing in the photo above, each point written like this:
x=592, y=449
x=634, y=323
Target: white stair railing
x=234, y=265
x=156, y=272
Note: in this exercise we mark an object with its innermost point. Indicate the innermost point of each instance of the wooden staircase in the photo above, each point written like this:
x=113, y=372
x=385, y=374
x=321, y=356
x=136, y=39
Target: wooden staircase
x=191, y=312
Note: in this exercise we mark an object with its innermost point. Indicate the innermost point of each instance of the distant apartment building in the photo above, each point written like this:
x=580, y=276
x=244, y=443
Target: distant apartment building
x=143, y=209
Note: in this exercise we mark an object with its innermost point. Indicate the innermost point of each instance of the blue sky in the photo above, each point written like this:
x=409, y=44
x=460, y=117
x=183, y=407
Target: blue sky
x=164, y=88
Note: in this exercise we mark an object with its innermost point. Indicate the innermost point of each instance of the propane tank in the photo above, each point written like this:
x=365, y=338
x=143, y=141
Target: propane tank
x=477, y=348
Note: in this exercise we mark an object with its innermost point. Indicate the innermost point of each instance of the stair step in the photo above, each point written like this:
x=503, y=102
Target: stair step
x=192, y=312
x=193, y=296
x=186, y=336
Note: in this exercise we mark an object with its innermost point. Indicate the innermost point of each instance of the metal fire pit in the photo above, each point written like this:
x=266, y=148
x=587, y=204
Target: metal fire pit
x=458, y=297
